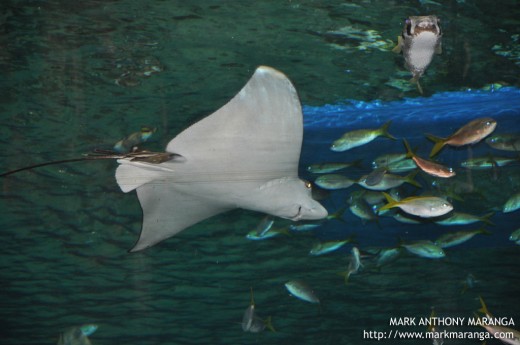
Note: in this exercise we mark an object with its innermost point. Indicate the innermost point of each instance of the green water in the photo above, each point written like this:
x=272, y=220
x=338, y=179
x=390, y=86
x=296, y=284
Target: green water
x=82, y=75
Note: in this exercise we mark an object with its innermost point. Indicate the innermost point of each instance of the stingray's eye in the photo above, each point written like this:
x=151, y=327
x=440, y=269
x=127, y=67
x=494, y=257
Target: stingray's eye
x=409, y=27
x=308, y=184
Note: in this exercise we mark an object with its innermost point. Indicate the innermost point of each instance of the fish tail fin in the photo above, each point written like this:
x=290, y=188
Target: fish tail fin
x=269, y=324
x=410, y=178
x=252, y=297
x=398, y=48
x=485, y=218
x=338, y=215
x=409, y=152
x=484, y=308
x=419, y=87
x=484, y=231
x=384, y=130
x=345, y=275
x=391, y=202
x=439, y=144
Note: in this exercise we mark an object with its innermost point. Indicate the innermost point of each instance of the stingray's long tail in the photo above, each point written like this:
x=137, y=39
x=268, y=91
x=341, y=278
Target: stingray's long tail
x=97, y=154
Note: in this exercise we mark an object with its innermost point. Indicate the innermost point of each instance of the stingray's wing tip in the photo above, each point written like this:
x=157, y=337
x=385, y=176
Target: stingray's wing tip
x=270, y=70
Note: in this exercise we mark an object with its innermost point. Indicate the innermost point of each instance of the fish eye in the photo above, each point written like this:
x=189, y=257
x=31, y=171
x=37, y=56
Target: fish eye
x=308, y=184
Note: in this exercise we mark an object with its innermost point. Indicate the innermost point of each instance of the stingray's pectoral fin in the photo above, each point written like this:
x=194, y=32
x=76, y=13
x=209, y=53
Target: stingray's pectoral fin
x=167, y=211
x=133, y=174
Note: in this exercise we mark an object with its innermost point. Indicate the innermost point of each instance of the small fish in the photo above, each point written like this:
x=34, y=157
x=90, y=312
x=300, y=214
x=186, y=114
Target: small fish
x=512, y=204
x=421, y=206
x=390, y=181
x=371, y=197
x=301, y=290
x=360, y=137
x=460, y=218
x=515, y=236
x=249, y=314
x=505, y=142
x=376, y=176
x=325, y=168
x=429, y=167
x=127, y=144
x=329, y=246
x=402, y=166
x=468, y=283
x=354, y=263
x=333, y=181
x=88, y=329
x=77, y=335
x=387, y=159
x=361, y=209
x=273, y=232
x=484, y=163
x=251, y=322
x=496, y=329
x=419, y=41
x=264, y=226
x=425, y=249
x=387, y=256
x=456, y=238
x=470, y=133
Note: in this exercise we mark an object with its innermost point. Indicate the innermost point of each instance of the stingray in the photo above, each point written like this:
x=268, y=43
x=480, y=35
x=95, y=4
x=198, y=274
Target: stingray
x=244, y=155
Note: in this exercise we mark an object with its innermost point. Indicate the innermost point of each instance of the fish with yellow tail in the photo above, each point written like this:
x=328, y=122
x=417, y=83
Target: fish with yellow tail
x=421, y=206
x=127, y=144
x=471, y=133
x=360, y=137
x=429, y=167
x=354, y=264
x=419, y=41
x=302, y=290
x=77, y=335
x=251, y=322
x=497, y=325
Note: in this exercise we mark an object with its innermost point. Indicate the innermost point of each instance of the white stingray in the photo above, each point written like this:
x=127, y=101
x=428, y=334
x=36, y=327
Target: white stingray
x=244, y=155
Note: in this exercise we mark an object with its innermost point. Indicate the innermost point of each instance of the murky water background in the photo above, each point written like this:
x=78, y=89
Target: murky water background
x=82, y=75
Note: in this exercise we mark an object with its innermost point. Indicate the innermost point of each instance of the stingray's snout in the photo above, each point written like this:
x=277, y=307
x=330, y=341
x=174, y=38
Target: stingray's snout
x=316, y=212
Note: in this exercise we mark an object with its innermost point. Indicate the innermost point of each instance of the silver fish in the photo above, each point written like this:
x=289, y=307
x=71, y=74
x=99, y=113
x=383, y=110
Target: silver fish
x=324, y=168
x=327, y=247
x=354, y=263
x=453, y=239
x=360, y=137
x=419, y=41
x=425, y=249
x=333, y=182
x=512, y=204
x=421, y=206
x=301, y=290
x=389, y=181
